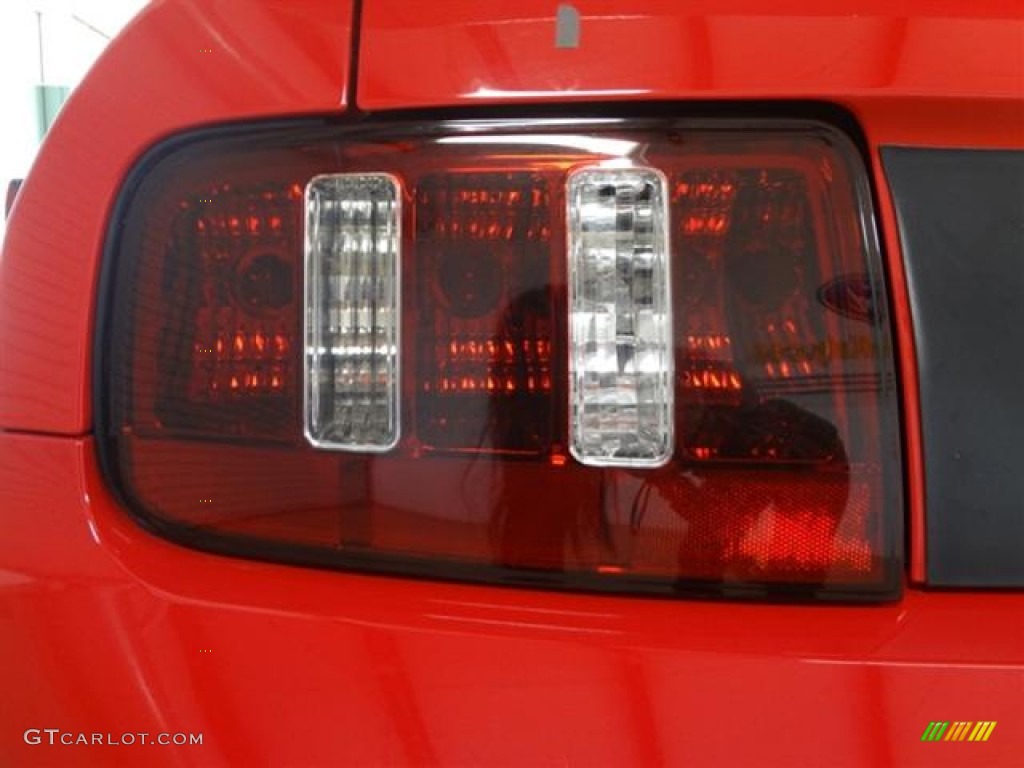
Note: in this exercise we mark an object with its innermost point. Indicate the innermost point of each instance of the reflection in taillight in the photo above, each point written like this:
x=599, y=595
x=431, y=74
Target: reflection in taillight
x=485, y=322
x=604, y=355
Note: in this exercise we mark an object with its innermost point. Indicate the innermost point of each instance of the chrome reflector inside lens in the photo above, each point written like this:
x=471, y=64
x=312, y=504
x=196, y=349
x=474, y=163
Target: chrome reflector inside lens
x=352, y=311
x=620, y=327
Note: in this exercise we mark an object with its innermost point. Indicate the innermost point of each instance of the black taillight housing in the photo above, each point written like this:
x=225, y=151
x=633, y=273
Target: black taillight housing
x=633, y=355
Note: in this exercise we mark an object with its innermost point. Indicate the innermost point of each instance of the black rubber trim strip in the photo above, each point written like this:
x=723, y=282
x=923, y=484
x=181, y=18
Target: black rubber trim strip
x=961, y=221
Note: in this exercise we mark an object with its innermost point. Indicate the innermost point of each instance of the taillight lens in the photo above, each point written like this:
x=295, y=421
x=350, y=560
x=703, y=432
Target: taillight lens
x=626, y=355
x=485, y=324
x=621, y=385
x=352, y=301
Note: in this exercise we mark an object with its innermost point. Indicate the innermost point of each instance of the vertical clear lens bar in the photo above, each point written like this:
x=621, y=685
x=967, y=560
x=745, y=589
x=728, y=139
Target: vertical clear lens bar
x=620, y=324
x=352, y=311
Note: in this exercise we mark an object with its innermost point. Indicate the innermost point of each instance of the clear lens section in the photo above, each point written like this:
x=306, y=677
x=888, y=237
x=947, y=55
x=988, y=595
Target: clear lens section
x=620, y=329
x=352, y=315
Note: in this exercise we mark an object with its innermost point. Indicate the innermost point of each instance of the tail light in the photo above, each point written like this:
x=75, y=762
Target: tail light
x=623, y=355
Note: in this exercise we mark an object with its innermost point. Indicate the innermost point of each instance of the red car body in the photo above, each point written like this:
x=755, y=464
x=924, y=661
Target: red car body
x=106, y=628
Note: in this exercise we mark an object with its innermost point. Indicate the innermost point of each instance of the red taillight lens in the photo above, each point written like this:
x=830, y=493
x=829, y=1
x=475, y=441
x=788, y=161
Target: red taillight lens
x=486, y=324
x=783, y=456
x=229, y=290
x=756, y=245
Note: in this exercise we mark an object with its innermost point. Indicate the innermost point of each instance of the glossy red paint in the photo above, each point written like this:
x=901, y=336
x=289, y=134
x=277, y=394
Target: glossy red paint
x=102, y=624
x=177, y=66
x=102, y=628
x=470, y=53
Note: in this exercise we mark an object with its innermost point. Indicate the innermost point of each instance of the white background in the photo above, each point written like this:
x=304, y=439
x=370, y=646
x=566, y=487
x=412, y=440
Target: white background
x=74, y=32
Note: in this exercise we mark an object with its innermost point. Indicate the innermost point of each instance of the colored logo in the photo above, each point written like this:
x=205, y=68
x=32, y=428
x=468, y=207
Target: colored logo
x=959, y=731
x=850, y=296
